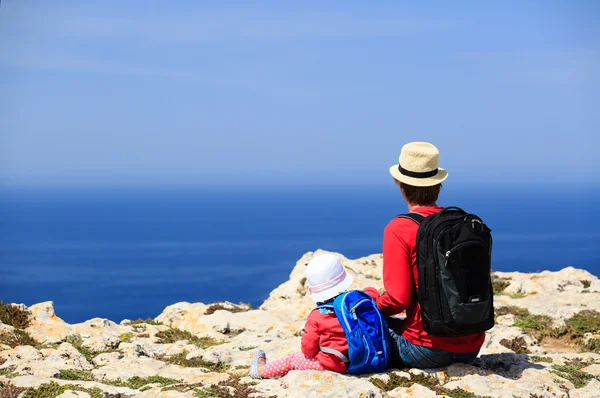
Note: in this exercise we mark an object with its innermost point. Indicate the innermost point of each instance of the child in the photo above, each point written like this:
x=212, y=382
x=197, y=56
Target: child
x=324, y=345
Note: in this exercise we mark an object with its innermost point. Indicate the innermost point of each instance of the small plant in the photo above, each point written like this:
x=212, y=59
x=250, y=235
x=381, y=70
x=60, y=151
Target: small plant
x=518, y=345
x=141, y=321
x=499, y=284
x=431, y=382
x=571, y=371
x=520, y=295
x=77, y=342
x=583, y=322
x=197, y=362
x=173, y=335
x=223, y=389
x=586, y=284
x=127, y=337
x=74, y=374
x=14, y=316
x=460, y=393
x=137, y=382
x=302, y=289
x=593, y=345
x=231, y=308
x=53, y=390
x=7, y=390
x=535, y=358
x=8, y=372
x=16, y=338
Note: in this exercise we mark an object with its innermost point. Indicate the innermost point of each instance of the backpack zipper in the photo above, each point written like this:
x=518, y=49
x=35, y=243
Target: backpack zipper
x=353, y=309
x=344, y=315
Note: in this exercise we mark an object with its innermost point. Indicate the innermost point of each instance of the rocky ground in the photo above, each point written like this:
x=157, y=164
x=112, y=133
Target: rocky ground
x=546, y=344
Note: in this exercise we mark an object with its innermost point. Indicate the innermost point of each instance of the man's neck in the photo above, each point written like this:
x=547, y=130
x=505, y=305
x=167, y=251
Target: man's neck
x=412, y=206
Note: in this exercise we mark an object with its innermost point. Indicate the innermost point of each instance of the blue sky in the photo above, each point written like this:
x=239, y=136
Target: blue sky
x=203, y=93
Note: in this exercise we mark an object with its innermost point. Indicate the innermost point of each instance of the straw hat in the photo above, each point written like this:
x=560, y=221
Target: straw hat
x=326, y=277
x=418, y=165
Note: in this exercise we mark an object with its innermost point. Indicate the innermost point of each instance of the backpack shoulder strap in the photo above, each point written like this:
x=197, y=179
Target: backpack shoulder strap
x=338, y=354
x=416, y=217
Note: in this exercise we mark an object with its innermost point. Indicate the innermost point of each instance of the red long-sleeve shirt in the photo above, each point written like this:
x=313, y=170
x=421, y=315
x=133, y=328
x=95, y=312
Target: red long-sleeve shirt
x=324, y=330
x=400, y=278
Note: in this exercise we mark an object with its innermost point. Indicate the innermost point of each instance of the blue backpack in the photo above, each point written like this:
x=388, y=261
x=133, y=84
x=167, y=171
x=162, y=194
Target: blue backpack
x=366, y=331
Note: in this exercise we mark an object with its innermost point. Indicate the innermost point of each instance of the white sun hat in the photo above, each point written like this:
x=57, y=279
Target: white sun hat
x=418, y=165
x=326, y=277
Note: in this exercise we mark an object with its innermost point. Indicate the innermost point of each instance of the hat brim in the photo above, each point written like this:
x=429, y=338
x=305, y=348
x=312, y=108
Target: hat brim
x=334, y=290
x=419, y=182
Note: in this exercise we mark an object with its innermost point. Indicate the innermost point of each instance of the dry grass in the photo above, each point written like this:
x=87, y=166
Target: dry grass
x=14, y=316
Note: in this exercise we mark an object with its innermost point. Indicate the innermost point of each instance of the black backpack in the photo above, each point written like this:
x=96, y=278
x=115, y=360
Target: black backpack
x=454, y=251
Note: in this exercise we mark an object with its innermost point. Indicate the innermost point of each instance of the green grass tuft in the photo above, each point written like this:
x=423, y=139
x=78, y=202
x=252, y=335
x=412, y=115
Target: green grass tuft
x=137, y=382
x=460, y=393
x=53, y=390
x=535, y=358
x=430, y=382
x=73, y=374
x=197, y=362
x=173, y=335
x=8, y=372
x=583, y=322
x=77, y=342
x=571, y=371
x=593, y=345
x=222, y=389
x=140, y=321
x=535, y=325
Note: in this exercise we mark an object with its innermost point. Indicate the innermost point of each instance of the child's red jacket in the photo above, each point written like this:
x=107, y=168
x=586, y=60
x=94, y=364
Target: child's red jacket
x=324, y=330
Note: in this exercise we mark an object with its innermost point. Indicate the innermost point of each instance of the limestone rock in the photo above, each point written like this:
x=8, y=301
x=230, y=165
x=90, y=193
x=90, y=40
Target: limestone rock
x=565, y=289
x=134, y=350
x=45, y=326
x=327, y=384
x=414, y=391
x=74, y=394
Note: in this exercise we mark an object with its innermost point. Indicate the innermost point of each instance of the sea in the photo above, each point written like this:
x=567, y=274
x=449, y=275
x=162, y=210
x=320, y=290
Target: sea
x=128, y=253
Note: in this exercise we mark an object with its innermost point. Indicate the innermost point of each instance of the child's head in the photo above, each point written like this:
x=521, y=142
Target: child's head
x=326, y=277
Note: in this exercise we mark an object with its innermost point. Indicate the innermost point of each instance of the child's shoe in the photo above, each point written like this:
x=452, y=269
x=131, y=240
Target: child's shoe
x=254, y=373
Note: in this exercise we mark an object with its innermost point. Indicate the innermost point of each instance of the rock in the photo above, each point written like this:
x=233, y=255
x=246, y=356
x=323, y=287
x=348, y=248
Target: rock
x=126, y=368
x=74, y=394
x=594, y=370
x=530, y=381
x=6, y=328
x=501, y=333
x=133, y=350
x=564, y=289
x=45, y=326
x=317, y=384
x=414, y=391
x=592, y=389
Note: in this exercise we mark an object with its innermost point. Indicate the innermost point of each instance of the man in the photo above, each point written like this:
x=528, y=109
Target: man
x=420, y=181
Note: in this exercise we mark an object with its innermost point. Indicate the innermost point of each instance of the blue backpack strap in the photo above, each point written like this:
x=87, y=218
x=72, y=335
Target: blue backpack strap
x=325, y=309
x=416, y=217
